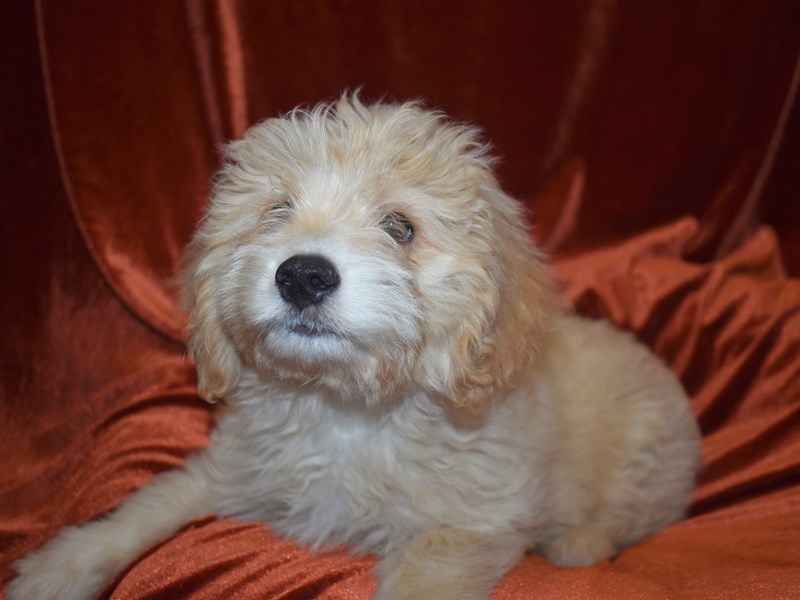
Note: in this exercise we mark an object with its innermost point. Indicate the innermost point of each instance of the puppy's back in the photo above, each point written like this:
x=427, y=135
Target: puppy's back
x=630, y=444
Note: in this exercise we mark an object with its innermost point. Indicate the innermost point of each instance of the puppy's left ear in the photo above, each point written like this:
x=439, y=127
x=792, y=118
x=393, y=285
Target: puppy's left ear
x=504, y=316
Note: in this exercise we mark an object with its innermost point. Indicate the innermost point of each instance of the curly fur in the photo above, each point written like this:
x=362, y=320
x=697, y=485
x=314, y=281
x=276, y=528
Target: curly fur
x=439, y=408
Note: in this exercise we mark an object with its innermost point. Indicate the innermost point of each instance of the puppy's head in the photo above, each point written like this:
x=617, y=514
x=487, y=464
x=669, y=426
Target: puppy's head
x=368, y=250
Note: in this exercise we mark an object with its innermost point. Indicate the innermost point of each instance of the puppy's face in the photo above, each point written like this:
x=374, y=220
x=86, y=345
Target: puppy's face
x=367, y=250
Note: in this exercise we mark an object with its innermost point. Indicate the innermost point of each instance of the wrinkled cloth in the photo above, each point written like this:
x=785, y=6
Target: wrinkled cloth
x=656, y=145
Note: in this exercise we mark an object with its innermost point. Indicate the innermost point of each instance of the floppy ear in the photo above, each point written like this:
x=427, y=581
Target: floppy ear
x=505, y=318
x=218, y=364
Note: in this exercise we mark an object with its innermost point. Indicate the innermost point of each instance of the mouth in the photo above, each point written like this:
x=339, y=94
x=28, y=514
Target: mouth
x=309, y=328
x=306, y=343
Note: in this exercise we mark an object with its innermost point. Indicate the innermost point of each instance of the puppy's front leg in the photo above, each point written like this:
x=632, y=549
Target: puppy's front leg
x=79, y=561
x=449, y=564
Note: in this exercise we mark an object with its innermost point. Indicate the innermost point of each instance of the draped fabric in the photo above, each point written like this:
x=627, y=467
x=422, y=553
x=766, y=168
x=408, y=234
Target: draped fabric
x=656, y=144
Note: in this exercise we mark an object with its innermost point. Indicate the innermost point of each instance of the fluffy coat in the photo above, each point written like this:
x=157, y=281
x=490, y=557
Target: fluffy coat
x=426, y=397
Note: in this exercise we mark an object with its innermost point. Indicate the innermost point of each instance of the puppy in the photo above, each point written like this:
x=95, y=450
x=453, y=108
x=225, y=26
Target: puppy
x=398, y=373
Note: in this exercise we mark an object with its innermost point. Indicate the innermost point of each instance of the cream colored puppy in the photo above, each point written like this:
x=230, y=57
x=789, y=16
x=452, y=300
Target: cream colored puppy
x=398, y=373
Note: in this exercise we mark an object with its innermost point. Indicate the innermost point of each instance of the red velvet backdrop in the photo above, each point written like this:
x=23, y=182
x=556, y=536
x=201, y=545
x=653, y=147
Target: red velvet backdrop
x=656, y=143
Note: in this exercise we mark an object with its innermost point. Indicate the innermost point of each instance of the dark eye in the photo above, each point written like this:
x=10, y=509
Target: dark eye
x=398, y=226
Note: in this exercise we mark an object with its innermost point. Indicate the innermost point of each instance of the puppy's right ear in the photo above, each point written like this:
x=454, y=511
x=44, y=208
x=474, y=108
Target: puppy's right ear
x=217, y=361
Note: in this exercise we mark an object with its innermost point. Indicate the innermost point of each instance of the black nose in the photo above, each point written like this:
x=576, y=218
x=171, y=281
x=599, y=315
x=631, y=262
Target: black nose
x=306, y=279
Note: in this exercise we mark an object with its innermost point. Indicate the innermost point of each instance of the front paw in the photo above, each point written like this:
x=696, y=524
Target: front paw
x=579, y=546
x=37, y=583
x=70, y=567
x=448, y=564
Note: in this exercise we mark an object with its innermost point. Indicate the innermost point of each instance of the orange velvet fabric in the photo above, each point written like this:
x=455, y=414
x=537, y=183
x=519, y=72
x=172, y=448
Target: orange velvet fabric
x=657, y=145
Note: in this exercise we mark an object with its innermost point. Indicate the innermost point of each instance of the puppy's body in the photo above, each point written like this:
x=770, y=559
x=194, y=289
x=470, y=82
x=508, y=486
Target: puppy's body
x=398, y=374
x=368, y=477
